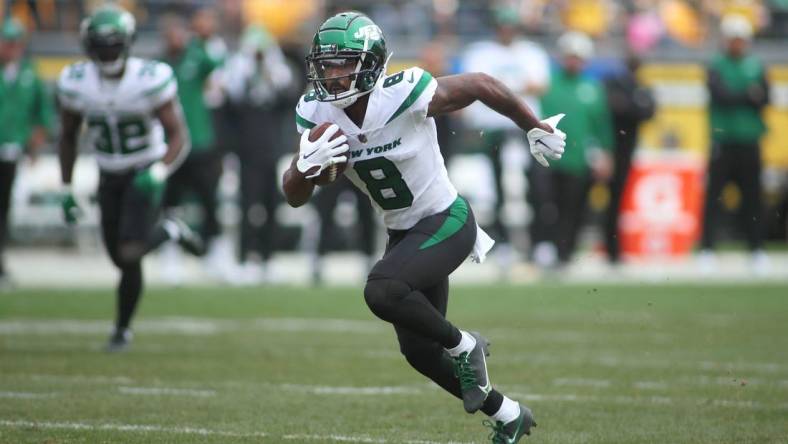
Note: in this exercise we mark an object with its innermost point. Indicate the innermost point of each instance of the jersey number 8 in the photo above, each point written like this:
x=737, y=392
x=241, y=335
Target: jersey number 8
x=384, y=183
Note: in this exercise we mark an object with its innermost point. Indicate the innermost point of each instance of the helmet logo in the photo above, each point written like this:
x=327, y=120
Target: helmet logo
x=369, y=32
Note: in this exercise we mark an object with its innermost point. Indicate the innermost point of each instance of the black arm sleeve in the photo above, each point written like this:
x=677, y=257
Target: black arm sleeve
x=720, y=94
x=644, y=104
x=758, y=94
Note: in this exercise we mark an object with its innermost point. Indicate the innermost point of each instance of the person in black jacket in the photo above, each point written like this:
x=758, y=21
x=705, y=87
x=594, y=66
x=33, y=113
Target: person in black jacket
x=630, y=105
x=261, y=87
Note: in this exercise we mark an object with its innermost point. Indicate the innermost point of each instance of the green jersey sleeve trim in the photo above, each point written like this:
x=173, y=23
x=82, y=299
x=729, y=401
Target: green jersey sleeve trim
x=304, y=123
x=458, y=215
x=159, y=88
x=421, y=85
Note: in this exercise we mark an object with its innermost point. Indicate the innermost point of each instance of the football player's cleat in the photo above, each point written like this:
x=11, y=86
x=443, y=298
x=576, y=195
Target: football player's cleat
x=188, y=239
x=512, y=431
x=471, y=369
x=119, y=341
x=347, y=38
x=107, y=36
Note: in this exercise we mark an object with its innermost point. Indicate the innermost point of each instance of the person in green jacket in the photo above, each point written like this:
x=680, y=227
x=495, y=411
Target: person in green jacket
x=589, y=138
x=26, y=113
x=738, y=93
x=194, y=59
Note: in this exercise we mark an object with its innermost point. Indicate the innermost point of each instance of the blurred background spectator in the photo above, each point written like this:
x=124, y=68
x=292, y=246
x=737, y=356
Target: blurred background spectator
x=361, y=224
x=630, y=105
x=739, y=91
x=525, y=68
x=260, y=86
x=589, y=139
x=27, y=118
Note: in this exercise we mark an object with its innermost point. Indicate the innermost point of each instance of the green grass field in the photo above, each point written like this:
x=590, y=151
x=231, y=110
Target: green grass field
x=597, y=364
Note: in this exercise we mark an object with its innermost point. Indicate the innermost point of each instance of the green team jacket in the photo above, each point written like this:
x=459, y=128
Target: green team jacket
x=738, y=92
x=192, y=69
x=25, y=102
x=587, y=123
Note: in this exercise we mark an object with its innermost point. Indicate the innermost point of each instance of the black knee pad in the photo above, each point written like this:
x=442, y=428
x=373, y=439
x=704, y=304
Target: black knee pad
x=382, y=295
x=130, y=254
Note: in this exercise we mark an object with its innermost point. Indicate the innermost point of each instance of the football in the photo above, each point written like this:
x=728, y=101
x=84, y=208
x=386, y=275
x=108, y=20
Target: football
x=330, y=174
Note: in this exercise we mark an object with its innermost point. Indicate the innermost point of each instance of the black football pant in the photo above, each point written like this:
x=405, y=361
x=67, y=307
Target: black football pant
x=409, y=287
x=259, y=199
x=625, y=147
x=493, y=141
x=200, y=174
x=7, y=175
x=130, y=230
x=569, y=195
x=742, y=164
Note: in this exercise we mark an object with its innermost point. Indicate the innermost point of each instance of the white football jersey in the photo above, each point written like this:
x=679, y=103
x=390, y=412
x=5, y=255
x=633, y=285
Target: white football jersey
x=119, y=114
x=394, y=157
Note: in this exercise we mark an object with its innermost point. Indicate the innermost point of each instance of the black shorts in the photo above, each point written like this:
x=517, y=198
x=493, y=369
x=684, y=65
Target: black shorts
x=127, y=214
x=426, y=254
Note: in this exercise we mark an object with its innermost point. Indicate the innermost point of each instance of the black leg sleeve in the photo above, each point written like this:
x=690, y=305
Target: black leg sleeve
x=716, y=176
x=748, y=176
x=7, y=175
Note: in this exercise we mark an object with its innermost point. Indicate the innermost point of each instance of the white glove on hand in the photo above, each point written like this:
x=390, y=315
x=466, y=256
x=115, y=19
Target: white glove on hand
x=544, y=144
x=322, y=153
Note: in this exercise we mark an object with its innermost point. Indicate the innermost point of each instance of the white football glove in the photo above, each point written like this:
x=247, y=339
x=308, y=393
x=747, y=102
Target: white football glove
x=322, y=153
x=544, y=144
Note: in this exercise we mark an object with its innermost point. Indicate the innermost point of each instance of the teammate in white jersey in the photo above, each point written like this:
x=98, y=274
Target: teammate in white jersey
x=392, y=152
x=128, y=105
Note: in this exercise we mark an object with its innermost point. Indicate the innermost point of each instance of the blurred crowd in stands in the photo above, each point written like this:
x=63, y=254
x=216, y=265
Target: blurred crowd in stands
x=644, y=23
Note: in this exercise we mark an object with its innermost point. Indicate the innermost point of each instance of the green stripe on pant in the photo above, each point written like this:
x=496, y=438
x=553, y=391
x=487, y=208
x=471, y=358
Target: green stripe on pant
x=458, y=215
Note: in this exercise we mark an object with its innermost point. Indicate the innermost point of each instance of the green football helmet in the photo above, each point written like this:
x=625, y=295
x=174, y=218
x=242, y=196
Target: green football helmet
x=351, y=40
x=107, y=36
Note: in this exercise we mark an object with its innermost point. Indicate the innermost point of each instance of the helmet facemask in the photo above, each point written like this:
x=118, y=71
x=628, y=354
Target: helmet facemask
x=109, y=57
x=327, y=70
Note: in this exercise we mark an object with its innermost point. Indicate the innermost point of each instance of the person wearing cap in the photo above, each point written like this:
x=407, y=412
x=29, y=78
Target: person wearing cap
x=738, y=93
x=522, y=66
x=589, y=137
x=26, y=113
x=260, y=85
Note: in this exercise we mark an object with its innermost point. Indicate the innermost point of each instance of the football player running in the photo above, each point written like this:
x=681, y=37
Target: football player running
x=128, y=105
x=392, y=152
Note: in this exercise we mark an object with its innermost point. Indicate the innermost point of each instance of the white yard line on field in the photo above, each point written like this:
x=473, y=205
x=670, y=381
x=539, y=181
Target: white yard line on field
x=90, y=379
x=342, y=438
x=190, y=326
x=125, y=428
x=61, y=425
x=165, y=391
x=346, y=390
x=25, y=395
x=650, y=385
x=581, y=382
x=648, y=400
